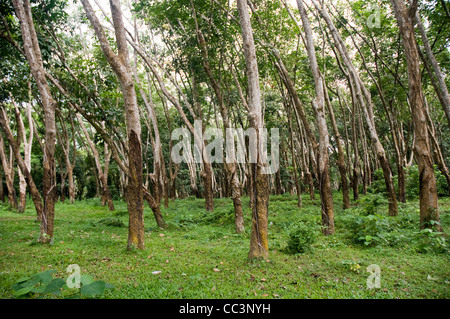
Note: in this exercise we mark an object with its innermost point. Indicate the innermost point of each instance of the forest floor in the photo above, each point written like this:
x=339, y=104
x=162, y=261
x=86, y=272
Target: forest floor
x=200, y=256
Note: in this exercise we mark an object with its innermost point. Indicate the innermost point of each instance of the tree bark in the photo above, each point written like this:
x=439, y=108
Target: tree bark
x=258, y=239
x=33, y=55
x=8, y=169
x=120, y=65
x=105, y=192
x=428, y=199
x=440, y=87
x=230, y=168
x=35, y=195
x=365, y=101
x=318, y=104
x=27, y=143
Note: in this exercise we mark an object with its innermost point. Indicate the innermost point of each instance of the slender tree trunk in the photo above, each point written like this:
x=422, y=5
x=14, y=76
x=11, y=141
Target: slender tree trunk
x=207, y=173
x=341, y=156
x=103, y=179
x=436, y=148
x=440, y=87
x=258, y=238
x=8, y=169
x=230, y=168
x=35, y=195
x=2, y=192
x=428, y=199
x=365, y=101
x=33, y=55
x=318, y=104
x=27, y=142
x=120, y=65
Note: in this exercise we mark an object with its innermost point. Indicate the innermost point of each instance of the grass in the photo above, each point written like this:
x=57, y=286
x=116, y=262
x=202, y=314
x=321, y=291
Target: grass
x=200, y=256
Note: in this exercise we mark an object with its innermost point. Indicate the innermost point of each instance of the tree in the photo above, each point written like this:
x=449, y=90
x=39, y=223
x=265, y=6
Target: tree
x=365, y=102
x=120, y=64
x=33, y=55
x=428, y=199
x=258, y=241
x=319, y=109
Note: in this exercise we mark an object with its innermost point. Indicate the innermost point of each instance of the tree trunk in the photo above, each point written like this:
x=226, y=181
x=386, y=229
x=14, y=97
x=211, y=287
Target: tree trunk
x=2, y=192
x=366, y=104
x=231, y=177
x=341, y=156
x=22, y=138
x=258, y=239
x=36, y=197
x=428, y=200
x=8, y=169
x=33, y=55
x=318, y=104
x=121, y=67
x=440, y=86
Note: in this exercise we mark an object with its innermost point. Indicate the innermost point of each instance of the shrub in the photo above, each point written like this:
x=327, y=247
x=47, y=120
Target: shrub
x=412, y=182
x=219, y=216
x=301, y=238
x=428, y=240
x=378, y=185
x=371, y=230
x=441, y=183
x=371, y=204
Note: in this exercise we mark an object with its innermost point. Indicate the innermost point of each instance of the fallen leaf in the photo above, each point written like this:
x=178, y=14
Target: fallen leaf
x=263, y=279
x=265, y=295
x=216, y=269
x=156, y=272
x=161, y=235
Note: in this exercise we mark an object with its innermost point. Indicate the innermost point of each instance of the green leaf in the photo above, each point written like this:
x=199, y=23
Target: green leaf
x=23, y=279
x=93, y=289
x=22, y=291
x=45, y=277
x=40, y=289
x=31, y=282
x=54, y=287
x=86, y=279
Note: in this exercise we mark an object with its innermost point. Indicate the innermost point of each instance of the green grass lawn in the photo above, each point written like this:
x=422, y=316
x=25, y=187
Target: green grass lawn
x=200, y=256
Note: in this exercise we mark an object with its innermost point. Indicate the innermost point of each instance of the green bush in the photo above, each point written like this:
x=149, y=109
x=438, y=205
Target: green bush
x=378, y=185
x=372, y=230
x=372, y=204
x=441, y=183
x=412, y=182
x=427, y=240
x=301, y=238
x=220, y=216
